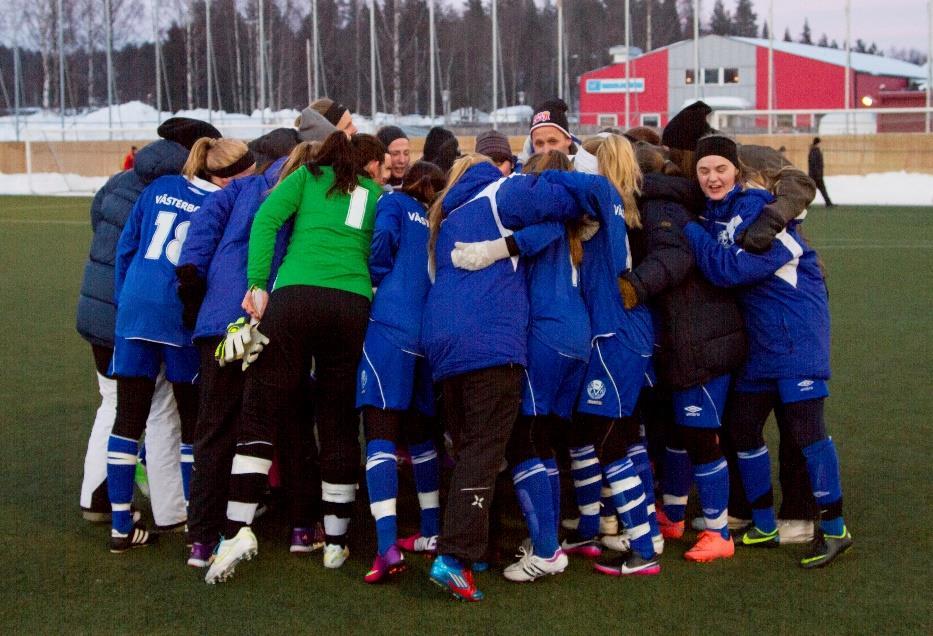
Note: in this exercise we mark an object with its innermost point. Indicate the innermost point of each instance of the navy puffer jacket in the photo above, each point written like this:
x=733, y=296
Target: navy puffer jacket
x=109, y=211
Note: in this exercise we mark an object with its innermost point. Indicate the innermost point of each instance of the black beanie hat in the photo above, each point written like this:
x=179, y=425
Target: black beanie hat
x=720, y=146
x=447, y=154
x=686, y=127
x=186, y=131
x=388, y=134
x=437, y=137
x=274, y=144
x=551, y=113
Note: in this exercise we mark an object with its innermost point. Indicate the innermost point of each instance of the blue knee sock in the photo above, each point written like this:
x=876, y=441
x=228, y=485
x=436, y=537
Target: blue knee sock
x=677, y=479
x=755, y=468
x=587, y=482
x=187, y=462
x=121, y=468
x=628, y=497
x=823, y=466
x=639, y=456
x=553, y=475
x=382, y=483
x=713, y=488
x=533, y=489
x=427, y=481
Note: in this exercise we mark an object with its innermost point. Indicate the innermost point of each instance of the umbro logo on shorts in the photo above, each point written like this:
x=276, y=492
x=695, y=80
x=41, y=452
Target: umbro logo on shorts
x=693, y=411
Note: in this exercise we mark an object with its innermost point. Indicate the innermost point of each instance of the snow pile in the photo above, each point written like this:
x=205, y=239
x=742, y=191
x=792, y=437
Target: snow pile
x=886, y=188
x=50, y=183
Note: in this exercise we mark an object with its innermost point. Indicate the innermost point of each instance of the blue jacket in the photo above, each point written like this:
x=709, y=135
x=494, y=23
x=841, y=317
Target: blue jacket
x=148, y=307
x=398, y=266
x=218, y=242
x=477, y=320
x=782, y=292
x=97, y=311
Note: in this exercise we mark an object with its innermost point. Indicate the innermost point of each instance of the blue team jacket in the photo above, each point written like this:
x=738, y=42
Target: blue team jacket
x=398, y=266
x=782, y=292
x=145, y=284
x=218, y=242
x=478, y=320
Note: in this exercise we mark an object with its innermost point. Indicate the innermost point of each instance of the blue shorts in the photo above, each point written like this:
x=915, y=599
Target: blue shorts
x=702, y=406
x=790, y=390
x=552, y=381
x=391, y=378
x=613, y=380
x=135, y=358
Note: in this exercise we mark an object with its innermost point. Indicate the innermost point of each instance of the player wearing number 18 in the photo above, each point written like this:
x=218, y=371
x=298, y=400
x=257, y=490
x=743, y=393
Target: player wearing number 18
x=150, y=331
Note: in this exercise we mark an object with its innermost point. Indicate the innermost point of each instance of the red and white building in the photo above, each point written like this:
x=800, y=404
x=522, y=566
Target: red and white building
x=734, y=75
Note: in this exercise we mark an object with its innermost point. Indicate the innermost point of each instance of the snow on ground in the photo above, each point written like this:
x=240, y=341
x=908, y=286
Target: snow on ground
x=50, y=183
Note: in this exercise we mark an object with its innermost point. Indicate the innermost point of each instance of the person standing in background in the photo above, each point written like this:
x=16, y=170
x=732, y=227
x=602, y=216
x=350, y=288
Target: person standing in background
x=815, y=169
x=130, y=159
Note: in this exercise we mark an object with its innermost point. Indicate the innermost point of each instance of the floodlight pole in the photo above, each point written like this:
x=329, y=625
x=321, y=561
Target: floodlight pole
x=432, y=45
x=372, y=59
x=158, y=60
x=16, y=81
x=628, y=64
x=61, y=65
x=770, y=66
x=207, y=56
x=560, y=49
x=696, y=49
x=495, y=62
x=108, y=15
x=929, y=62
x=847, y=85
x=262, y=62
x=315, y=47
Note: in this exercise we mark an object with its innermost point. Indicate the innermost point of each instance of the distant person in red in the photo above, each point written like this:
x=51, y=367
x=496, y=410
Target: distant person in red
x=130, y=159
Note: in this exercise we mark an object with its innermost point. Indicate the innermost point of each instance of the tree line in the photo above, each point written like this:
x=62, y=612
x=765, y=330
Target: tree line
x=527, y=44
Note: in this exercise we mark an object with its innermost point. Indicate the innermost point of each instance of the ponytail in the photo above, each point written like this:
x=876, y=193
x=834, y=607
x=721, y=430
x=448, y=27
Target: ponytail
x=196, y=163
x=617, y=163
x=423, y=182
x=217, y=157
x=348, y=158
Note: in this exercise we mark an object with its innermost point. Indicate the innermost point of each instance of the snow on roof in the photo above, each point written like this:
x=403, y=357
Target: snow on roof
x=863, y=62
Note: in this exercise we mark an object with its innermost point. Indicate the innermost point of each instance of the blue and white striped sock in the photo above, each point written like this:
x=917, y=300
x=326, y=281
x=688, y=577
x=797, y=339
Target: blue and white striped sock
x=628, y=497
x=638, y=453
x=713, y=489
x=755, y=468
x=677, y=479
x=382, y=483
x=186, y=460
x=121, y=469
x=587, y=482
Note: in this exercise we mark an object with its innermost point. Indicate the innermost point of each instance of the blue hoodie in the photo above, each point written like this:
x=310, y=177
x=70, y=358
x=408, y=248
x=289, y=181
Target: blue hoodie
x=217, y=244
x=398, y=266
x=782, y=292
x=477, y=320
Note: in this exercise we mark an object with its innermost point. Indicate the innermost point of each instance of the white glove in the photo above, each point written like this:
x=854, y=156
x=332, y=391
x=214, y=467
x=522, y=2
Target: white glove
x=588, y=228
x=256, y=344
x=476, y=256
x=235, y=342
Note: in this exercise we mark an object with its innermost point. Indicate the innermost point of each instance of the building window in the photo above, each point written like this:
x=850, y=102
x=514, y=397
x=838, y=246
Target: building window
x=731, y=76
x=689, y=77
x=711, y=75
x=607, y=121
x=653, y=120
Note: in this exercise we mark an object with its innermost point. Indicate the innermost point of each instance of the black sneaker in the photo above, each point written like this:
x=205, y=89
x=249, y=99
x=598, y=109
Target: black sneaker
x=825, y=548
x=138, y=537
x=575, y=544
x=628, y=564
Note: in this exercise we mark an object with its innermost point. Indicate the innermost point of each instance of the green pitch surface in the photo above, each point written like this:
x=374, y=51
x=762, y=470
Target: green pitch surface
x=58, y=576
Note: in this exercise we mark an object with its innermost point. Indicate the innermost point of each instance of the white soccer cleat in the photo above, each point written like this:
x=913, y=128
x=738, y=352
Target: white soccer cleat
x=618, y=542
x=335, y=555
x=230, y=552
x=530, y=566
x=795, y=530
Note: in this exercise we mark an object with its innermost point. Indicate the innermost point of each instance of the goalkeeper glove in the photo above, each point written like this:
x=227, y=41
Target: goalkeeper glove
x=479, y=255
x=256, y=344
x=234, y=344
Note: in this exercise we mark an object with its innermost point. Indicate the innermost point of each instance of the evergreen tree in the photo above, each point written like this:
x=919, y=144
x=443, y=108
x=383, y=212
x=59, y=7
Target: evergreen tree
x=824, y=41
x=787, y=37
x=667, y=29
x=806, y=36
x=720, y=23
x=834, y=45
x=745, y=20
x=860, y=46
x=765, y=33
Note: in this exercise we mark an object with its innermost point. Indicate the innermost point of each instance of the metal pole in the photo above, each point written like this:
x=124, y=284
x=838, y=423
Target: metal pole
x=262, y=62
x=61, y=65
x=16, y=81
x=372, y=59
x=628, y=65
x=696, y=49
x=210, y=74
x=158, y=64
x=308, y=66
x=315, y=47
x=109, y=68
x=495, y=62
x=432, y=44
x=847, y=85
x=770, y=66
x=929, y=62
x=560, y=49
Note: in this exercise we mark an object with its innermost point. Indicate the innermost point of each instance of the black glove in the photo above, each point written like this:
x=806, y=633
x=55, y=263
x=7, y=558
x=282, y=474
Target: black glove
x=757, y=238
x=191, y=291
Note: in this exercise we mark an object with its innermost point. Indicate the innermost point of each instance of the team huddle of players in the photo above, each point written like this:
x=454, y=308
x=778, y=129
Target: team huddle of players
x=631, y=308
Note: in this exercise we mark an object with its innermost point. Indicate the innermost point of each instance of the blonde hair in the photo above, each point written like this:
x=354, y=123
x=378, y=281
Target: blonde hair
x=209, y=154
x=617, y=163
x=436, y=212
x=301, y=154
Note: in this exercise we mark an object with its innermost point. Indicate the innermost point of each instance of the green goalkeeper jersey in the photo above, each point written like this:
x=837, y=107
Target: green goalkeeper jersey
x=329, y=245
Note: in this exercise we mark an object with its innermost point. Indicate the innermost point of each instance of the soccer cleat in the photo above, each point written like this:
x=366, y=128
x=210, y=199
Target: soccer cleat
x=229, y=553
x=736, y=524
x=825, y=548
x=448, y=573
x=670, y=529
x=756, y=538
x=335, y=555
x=306, y=540
x=795, y=531
x=608, y=524
x=629, y=564
x=617, y=542
x=575, y=544
x=418, y=543
x=709, y=547
x=201, y=554
x=385, y=565
x=138, y=537
x=530, y=566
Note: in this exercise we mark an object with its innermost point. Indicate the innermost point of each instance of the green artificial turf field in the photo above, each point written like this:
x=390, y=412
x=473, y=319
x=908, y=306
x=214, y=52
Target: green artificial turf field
x=56, y=574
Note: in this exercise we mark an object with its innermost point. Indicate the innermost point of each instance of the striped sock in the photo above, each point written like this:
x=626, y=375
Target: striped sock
x=533, y=489
x=587, y=480
x=249, y=475
x=337, y=507
x=425, y=466
x=121, y=468
x=186, y=460
x=628, y=497
x=638, y=453
x=382, y=484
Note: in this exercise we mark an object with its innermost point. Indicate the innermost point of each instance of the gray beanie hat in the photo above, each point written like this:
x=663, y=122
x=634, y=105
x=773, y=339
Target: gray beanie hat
x=492, y=141
x=312, y=126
